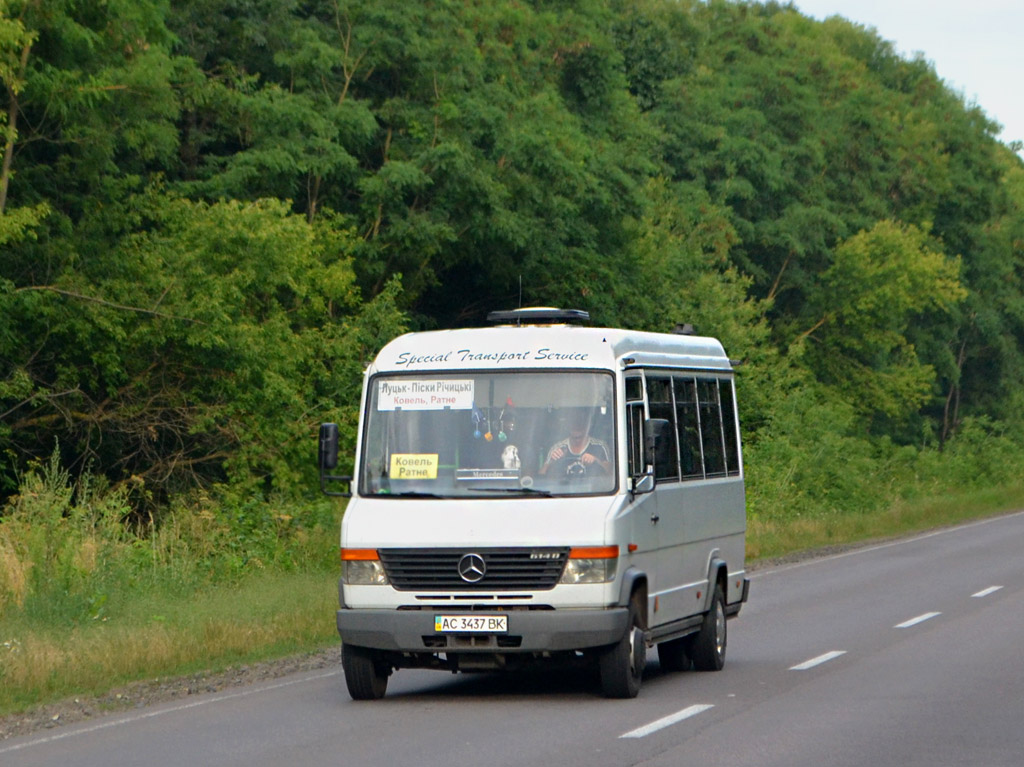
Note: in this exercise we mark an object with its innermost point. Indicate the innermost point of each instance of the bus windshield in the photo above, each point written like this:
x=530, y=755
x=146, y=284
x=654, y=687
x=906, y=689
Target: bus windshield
x=473, y=434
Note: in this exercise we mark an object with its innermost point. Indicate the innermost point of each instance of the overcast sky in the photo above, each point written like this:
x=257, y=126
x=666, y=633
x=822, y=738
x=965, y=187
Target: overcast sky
x=976, y=47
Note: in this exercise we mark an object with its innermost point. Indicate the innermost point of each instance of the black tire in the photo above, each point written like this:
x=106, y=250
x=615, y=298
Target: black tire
x=622, y=665
x=674, y=655
x=708, y=650
x=366, y=675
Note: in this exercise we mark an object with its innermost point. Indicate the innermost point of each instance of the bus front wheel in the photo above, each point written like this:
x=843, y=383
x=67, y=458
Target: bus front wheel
x=622, y=665
x=366, y=674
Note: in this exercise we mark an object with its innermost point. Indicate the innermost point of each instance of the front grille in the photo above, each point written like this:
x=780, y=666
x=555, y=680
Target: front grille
x=507, y=568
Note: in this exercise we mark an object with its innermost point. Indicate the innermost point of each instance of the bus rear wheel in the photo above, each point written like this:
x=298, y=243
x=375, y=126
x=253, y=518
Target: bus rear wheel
x=708, y=648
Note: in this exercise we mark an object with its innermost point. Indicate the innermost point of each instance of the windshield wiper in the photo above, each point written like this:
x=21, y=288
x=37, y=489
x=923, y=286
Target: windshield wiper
x=523, y=490
x=412, y=494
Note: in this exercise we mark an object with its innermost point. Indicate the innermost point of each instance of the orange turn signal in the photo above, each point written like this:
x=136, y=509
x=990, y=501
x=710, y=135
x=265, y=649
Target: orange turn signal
x=359, y=555
x=594, y=552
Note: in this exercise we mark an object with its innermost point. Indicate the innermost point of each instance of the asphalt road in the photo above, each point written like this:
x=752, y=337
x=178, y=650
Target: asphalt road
x=908, y=653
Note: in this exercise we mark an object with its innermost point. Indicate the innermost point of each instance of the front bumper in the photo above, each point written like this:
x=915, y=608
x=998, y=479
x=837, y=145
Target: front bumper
x=528, y=630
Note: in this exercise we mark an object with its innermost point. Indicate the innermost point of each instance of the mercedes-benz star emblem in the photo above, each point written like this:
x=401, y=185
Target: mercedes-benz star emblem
x=472, y=568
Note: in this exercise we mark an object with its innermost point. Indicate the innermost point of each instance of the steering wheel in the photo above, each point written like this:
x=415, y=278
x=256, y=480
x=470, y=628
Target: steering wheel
x=575, y=469
x=568, y=468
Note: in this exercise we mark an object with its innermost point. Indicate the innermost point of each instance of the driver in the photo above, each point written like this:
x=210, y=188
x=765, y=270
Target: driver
x=579, y=454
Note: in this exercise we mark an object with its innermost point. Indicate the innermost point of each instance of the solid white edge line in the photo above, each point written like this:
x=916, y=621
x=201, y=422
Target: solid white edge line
x=915, y=621
x=667, y=721
x=817, y=661
x=150, y=714
x=986, y=592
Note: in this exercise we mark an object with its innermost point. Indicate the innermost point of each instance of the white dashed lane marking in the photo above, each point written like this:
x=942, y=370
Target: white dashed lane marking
x=986, y=592
x=915, y=621
x=667, y=721
x=807, y=664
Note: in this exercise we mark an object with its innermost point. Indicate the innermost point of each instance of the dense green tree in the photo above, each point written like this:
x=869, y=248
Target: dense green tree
x=216, y=338
x=15, y=48
x=212, y=212
x=468, y=144
x=809, y=132
x=879, y=282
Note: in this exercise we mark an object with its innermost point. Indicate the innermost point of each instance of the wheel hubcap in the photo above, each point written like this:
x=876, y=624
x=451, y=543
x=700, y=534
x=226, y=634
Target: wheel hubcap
x=634, y=650
x=720, y=629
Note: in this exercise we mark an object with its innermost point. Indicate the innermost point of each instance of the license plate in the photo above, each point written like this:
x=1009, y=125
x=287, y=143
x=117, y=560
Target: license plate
x=471, y=624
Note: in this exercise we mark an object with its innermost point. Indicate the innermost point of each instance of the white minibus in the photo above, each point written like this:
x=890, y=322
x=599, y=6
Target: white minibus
x=541, y=491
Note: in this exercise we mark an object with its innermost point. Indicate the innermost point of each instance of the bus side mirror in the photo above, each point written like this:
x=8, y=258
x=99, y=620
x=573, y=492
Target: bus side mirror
x=643, y=484
x=654, y=428
x=328, y=446
x=327, y=459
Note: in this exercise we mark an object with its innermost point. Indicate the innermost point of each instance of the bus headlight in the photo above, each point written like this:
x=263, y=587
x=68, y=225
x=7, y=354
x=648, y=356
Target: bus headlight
x=591, y=564
x=362, y=567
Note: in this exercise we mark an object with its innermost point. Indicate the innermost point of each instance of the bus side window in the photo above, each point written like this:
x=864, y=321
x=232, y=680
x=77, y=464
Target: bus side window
x=635, y=438
x=660, y=405
x=634, y=389
x=732, y=452
x=690, y=451
x=711, y=427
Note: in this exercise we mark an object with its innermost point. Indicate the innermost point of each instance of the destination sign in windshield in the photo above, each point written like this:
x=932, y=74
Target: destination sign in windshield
x=424, y=394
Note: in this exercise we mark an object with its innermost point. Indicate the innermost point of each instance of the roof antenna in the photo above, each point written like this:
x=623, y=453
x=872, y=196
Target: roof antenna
x=520, y=291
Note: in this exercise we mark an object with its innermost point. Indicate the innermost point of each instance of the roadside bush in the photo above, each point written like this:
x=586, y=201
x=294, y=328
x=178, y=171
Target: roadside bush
x=982, y=453
x=809, y=461
x=73, y=551
x=58, y=542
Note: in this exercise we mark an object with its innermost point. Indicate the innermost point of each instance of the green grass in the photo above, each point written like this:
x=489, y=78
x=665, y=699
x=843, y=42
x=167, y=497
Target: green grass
x=770, y=538
x=265, y=616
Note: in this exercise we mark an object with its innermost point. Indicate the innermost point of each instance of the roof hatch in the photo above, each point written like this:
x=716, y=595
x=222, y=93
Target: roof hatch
x=539, y=315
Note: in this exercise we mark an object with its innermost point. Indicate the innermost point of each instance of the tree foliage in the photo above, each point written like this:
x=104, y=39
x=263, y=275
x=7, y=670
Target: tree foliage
x=213, y=212
x=201, y=349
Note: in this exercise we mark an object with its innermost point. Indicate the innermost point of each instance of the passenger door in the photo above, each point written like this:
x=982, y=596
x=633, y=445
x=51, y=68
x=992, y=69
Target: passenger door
x=643, y=510
x=670, y=601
